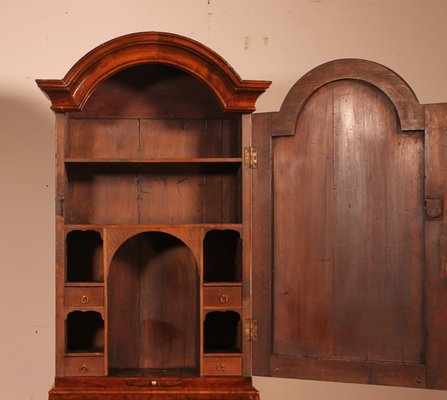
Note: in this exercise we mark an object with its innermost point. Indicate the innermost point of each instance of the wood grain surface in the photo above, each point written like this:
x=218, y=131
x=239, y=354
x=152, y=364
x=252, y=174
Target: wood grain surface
x=349, y=233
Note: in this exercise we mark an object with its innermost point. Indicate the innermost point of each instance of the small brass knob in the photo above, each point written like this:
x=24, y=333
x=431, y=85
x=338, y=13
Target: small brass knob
x=83, y=369
x=84, y=300
x=223, y=299
x=220, y=367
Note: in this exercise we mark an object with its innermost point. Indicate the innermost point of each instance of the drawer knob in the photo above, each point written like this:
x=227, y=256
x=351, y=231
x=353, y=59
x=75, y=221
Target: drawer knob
x=83, y=369
x=84, y=300
x=223, y=299
x=220, y=367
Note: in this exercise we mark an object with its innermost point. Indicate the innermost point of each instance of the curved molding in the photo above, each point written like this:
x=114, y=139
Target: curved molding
x=96, y=310
x=72, y=92
x=410, y=112
x=126, y=234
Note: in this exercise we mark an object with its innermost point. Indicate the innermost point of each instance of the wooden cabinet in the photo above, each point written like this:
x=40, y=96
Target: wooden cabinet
x=197, y=245
x=153, y=220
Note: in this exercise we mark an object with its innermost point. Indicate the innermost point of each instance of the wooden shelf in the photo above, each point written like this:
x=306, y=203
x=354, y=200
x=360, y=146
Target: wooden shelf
x=233, y=352
x=85, y=354
x=153, y=372
x=214, y=160
x=222, y=284
x=154, y=226
x=84, y=284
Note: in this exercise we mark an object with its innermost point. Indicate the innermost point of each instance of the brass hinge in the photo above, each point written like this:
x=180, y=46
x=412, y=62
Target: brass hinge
x=251, y=157
x=251, y=330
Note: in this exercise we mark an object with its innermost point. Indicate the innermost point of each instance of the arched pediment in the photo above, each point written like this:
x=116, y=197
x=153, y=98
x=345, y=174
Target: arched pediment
x=410, y=112
x=72, y=92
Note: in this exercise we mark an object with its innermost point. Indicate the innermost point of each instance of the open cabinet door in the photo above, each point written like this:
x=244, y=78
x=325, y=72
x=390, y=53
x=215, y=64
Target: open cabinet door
x=349, y=237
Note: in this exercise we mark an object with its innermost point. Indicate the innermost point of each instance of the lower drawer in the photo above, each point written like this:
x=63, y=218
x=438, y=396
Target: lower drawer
x=225, y=296
x=84, y=296
x=222, y=365
x=84, y=366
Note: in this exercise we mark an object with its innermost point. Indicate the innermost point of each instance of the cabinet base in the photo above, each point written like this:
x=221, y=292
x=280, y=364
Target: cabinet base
x=107, y=388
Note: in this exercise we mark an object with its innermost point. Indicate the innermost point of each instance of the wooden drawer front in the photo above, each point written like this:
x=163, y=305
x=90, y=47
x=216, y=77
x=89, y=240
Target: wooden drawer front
x=222, y=297
x=84, y=366
x=222, y=366
x=81, y=296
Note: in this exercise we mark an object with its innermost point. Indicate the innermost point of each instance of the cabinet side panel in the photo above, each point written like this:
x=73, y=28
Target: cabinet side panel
x=262, y=243
x=61, y=122
x=435, y=229
x=245, y=185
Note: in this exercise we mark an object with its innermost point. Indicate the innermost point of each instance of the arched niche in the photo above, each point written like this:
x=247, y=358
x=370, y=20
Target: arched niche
x=85, y=332
x=222, y=256
x=152, y=90
x=153, y=307
x=119, y=235
x=222, y=332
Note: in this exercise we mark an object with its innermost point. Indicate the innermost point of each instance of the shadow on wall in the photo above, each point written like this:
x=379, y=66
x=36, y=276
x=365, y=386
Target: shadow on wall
x=27, y=133
x=27, y=243
x=27, y=178
x=27, y=157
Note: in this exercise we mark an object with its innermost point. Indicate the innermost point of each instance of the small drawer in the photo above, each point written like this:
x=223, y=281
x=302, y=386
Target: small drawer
x=84, y=366
x=222, y=296
x=84, y=296
x=222, y=365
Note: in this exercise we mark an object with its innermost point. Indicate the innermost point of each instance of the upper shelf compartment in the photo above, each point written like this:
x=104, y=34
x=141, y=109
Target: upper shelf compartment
x=145, y=140
x=152, y=96
x=153, y=133
x=152, y=112
x=153, y=194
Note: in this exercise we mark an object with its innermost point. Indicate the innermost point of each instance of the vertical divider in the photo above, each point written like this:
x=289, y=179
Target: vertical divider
x=201, y=314
x=246, y=129
x=105, y=302
x=61, y=125
x=443, y=256
x=435, y=228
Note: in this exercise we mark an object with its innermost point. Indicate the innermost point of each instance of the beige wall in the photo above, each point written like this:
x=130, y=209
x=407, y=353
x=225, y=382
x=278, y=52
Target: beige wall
x=278, y=40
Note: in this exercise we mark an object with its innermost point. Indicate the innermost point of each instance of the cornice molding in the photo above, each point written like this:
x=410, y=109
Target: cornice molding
x=232, y=92
x=410, y=112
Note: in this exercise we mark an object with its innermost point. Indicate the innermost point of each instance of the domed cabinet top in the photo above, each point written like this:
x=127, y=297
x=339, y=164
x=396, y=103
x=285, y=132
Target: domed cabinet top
x=72, y=92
